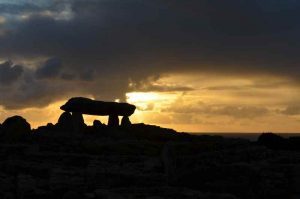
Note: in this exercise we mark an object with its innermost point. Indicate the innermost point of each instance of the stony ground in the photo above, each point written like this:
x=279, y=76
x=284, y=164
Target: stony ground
x=143, y=161
x=36, y=171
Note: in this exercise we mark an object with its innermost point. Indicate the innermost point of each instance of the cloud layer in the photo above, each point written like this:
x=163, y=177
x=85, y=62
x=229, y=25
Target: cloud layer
x=99, y=47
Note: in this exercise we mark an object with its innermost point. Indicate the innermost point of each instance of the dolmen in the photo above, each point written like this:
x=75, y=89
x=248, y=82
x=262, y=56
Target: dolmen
x=81, y=105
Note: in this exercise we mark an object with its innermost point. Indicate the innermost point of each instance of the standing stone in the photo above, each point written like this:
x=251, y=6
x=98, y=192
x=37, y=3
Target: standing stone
x=125, y=121
x=113, y=120
x=78, y=122
x=65, y=122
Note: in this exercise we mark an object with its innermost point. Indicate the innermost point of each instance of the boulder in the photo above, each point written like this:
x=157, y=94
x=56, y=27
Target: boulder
x=272, y=141
x=15, y=128
x=93, y=107
x=97, y=124
x=125, y=121
x=50, y=125
x=65, y=122
x=71, y=122
x=78, y=122
x=113, y=120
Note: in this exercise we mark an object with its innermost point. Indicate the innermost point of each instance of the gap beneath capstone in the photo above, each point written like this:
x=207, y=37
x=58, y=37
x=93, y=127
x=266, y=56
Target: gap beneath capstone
x=89, y=119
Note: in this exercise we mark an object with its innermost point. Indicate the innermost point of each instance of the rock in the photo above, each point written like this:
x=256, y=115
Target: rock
x=113, y=120
x=125, y=121
x=71, y=122
x=16, y=128
x=50, y=125
x=65, y=122
x=78, y=122
x=97, y=124
x=272, y=141
x=93, y=107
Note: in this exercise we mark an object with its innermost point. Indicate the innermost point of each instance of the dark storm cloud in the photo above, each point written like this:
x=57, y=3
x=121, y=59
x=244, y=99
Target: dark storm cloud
x=109, y=42
x=149, y=85
x=6, y=8
x=9, y=73
x=161, y=88
x=67, y=76
x=50, y=69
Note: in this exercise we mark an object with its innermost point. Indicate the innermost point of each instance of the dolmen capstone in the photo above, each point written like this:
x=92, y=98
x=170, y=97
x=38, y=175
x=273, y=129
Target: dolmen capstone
x=81, y=105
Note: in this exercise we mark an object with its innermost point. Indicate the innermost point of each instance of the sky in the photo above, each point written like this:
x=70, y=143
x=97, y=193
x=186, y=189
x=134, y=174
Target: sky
x=195, y=66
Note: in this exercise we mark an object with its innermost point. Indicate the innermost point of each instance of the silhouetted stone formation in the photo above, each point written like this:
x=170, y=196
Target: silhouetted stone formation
x=101, y=108
x=125, y=122
x=73, y=160
x=273, y=141
x=113, y=120
x=97, y=124
x=71, y=122
x=65, y=122
x=78, y=122
x=15, y=128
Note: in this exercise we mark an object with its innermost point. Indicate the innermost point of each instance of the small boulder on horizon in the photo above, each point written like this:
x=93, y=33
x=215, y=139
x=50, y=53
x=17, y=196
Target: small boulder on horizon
x=15, y=128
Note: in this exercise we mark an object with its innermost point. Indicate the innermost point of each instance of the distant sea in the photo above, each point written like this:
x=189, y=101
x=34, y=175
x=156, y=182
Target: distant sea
x=249, y=136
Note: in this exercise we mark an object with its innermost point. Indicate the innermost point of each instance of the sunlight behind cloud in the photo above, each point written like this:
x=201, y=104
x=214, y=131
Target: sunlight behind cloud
x=150, y=101
x=216, y=103
x=136, y=97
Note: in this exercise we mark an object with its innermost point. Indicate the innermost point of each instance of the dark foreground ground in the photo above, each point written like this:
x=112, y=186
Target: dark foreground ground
x=143, y=161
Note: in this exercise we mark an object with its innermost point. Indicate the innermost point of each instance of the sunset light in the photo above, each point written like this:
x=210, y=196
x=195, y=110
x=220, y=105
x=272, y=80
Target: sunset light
x=194, y=67
x=142, y=97
x=150, y=99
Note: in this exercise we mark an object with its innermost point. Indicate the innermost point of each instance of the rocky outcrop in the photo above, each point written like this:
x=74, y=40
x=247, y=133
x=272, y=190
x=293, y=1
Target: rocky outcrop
x=272, y=141
x=141, y=168
x=142, y=161
x=15, y=128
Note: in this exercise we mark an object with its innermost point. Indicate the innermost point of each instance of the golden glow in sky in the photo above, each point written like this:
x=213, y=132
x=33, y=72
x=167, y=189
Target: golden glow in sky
x=214, y=104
